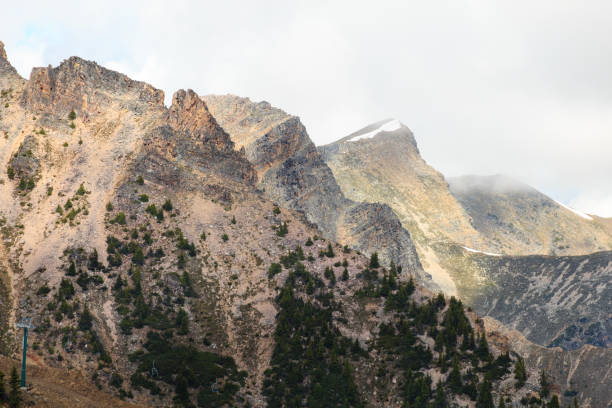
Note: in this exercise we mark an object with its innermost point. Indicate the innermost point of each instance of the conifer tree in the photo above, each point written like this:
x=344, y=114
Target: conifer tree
x=520, y=373
x=374, y=261
x=544, y=385
x=501, y=404
x=485, y=399
x=440, y=400
x=14, y=397
x=454, y=378
x=3, y=395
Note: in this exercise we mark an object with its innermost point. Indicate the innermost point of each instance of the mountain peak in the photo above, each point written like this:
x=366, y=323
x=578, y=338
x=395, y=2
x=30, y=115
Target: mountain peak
x=388, y=125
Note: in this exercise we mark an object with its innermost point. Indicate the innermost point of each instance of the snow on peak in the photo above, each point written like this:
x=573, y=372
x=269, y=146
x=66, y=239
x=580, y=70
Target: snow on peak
x=389, y=126
x=480, y=252
x=578, y=213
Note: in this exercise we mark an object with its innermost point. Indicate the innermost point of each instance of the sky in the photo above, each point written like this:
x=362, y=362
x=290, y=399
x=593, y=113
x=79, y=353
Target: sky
x=521, y=88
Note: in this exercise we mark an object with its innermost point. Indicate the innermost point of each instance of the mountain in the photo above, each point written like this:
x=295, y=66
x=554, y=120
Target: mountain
x=292, y=174
x=462, y=229
x=518, y=219
x=143, y=243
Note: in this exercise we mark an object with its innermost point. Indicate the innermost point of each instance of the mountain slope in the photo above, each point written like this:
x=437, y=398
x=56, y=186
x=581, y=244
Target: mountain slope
x=458, y=243
x=520, y=220
x=292, y=174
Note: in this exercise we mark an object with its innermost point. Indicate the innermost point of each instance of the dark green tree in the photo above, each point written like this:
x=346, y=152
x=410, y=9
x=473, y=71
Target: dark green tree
x=374, y=261
x=520, y=372
x=501, y=403
x=454, y=377
x=14, y=397
x=544, y=385
x=3, y=394
x=440, y=400
x=85, y=321
x=485, y=398
x=554, y=402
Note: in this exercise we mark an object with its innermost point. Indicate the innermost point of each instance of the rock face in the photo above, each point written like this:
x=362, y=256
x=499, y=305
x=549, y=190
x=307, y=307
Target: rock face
x=9, y=77
x=292, y=174
x=518, y=219
x=555, y=301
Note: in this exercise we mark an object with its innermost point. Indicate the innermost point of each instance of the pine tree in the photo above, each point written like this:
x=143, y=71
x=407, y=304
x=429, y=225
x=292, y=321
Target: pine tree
x=544, y=385
x=440, y=401
x=14, y=397
x=483, y=348
x=520, y=373
x=454, y=378
x=374, y=261
x=345, y=274
x=485, y=399
x=85, y=321
x=3, y=395
x=554, y=402
x=501, y=404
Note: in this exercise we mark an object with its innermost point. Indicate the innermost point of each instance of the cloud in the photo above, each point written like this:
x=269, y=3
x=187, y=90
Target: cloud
x=513, y=87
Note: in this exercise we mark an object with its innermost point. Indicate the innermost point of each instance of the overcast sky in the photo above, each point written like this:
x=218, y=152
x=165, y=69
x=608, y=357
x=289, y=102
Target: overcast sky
x=522, y=88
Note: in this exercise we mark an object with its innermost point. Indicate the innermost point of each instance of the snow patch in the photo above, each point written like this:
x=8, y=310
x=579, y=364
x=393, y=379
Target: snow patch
x=480, y=252
x=578, y=213
x=389, y=126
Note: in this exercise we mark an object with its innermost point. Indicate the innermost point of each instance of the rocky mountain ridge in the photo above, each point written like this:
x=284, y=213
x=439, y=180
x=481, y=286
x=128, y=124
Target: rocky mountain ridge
x=136, y=236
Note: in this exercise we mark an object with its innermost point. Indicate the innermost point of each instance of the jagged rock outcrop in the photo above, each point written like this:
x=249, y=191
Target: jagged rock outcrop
x=517, y=219
x=292, y=173
x=8, y=74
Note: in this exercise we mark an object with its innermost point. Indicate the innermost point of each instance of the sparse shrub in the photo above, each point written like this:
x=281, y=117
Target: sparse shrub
x=308, y=242
x=10, y=172
x=59, y=210
x=274, y=270
x=140, y=180
x=72, y=125
x=68, y=205
x=276, y=210
x=81, y=191
x=167, y=206
x=224, y=237
x=282, y=230
x=109, y=207
x=233, y=219
x=72, y=115
x=203, y=236
x=143, y=198
x=119, y=218
x=43, y=290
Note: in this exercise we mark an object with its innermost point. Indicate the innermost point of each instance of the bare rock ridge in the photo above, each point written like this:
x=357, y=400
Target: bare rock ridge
x=8, y=74
x=292, y=173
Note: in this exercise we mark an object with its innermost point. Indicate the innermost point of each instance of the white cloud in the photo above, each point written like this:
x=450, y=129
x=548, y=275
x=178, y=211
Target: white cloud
x=513, y=87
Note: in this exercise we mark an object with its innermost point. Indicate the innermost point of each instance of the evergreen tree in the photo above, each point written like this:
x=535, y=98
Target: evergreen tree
x=85, y=321
x=454, y=378
x=520, y=373
x=330, y=251
x=544, y=385
x=374, y=261
x=14, y=397
x=440, y=400
x=485, y=399
x=501, y=404
x=482, y=351
x=345, y=274
x=554, y=402
x=3, y=395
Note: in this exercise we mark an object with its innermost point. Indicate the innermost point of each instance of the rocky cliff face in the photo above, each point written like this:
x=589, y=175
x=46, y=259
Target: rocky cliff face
x=292, y=174
x=554, y=301
x=518, y=219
